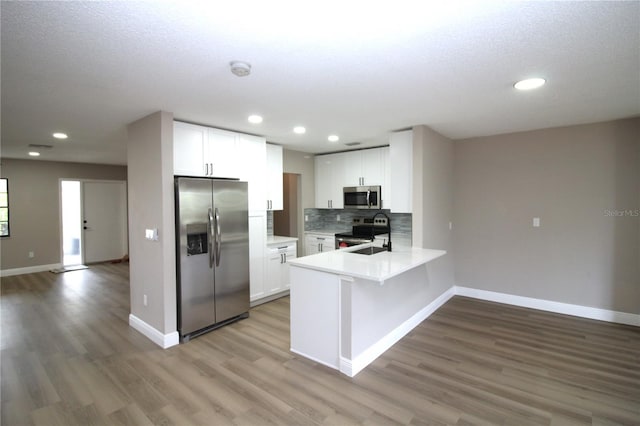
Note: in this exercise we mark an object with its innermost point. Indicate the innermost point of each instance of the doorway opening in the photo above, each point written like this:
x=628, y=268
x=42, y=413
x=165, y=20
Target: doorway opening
x=286, y=221
x=71, y=202
x=93, y=221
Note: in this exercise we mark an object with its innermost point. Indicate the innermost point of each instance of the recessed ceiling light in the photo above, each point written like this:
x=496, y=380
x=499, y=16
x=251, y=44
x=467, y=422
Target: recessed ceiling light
x=34, y=153
x=333, y=138
x=530, y=83
x=59, y=135
x=299, y=130
x=255, y=119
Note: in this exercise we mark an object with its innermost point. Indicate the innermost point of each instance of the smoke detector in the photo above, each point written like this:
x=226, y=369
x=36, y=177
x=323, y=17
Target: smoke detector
x=239, y=68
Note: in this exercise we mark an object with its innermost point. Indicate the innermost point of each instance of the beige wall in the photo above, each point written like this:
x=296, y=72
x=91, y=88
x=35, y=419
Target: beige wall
x=285, y=221
x=34, y=203
x=296, y=162
x=568, y=177
x=433, y=168
x=151, y=205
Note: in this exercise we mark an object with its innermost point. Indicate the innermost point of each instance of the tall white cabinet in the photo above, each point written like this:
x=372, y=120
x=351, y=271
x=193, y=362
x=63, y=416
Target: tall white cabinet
x=401, y=180
x=274, y=178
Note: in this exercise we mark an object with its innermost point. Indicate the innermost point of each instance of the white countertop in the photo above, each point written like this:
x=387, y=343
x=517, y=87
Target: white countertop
x=275, y=239
x=377, y=267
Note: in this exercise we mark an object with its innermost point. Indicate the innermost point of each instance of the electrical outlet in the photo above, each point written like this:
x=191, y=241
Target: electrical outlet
x=338, y=218
x=144, y=300
x=306, y=218
x=536, y=222
x=31, y=255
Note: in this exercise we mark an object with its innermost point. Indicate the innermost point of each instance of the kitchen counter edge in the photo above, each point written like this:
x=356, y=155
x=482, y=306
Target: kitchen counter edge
x=378, y=267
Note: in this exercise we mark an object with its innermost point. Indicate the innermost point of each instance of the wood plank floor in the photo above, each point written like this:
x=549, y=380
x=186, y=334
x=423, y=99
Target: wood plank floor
x=69, y=357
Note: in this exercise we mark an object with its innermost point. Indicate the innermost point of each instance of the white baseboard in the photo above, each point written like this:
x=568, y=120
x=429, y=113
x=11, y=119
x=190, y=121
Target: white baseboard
x=270, y=298
x=29, y=269
x=551, y=306
x=163, y=340
x=351, y=367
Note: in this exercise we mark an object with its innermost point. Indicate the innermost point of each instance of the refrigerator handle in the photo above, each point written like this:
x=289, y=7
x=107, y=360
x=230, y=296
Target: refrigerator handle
x=218, y=238
x=211, y=237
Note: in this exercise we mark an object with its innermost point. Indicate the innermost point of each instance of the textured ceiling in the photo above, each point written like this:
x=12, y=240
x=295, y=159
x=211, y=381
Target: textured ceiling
x=354, y=68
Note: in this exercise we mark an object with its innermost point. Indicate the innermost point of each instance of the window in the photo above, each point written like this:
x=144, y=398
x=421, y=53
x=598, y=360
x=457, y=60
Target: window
x=4, y=207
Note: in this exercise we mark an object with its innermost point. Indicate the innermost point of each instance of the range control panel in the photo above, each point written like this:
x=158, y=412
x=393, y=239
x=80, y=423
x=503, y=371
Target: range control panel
x=378, y=221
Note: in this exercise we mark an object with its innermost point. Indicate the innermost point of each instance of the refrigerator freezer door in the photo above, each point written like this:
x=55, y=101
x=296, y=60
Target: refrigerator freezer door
x=232, y=248
x=196, y=304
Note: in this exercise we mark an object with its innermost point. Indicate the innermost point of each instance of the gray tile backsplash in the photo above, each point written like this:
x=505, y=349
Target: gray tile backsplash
x=269, y=223
x=325, y=220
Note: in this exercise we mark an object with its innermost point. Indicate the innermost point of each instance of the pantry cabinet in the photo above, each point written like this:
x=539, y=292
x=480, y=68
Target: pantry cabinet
x=254, y=170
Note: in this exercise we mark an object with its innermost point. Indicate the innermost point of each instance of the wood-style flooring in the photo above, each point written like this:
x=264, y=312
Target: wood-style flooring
x=69, y=357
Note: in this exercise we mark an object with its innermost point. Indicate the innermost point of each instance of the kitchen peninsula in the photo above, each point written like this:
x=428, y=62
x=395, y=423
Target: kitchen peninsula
x=348, y=308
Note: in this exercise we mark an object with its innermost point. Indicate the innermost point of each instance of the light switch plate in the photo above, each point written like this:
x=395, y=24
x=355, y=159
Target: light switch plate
x=536, y=222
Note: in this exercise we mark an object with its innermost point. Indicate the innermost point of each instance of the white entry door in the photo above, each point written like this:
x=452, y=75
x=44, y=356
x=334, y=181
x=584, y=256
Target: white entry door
x=104, y=224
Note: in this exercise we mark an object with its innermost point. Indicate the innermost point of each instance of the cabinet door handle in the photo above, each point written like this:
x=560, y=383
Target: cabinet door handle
x=285, y=258
x=206, y=169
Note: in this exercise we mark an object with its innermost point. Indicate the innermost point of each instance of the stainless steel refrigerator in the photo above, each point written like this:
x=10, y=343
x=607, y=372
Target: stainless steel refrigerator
x=212, y=235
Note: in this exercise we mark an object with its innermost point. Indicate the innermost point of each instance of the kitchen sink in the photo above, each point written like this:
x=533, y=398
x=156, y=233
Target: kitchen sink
x=370, y=250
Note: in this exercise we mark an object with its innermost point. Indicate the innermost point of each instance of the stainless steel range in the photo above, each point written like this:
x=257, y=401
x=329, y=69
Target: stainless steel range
x=363, y=230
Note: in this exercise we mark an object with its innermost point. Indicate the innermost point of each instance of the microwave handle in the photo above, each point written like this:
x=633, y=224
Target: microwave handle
x=368, y=196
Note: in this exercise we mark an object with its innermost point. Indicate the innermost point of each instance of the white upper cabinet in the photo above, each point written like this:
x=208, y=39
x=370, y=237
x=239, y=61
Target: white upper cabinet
x=329, y=181
x=221, y=154
x=373, y=165
x=203, y=151
x=274, y=200
x=188, y=149
x=351, y=168
x=401, y=177
x=364, y=167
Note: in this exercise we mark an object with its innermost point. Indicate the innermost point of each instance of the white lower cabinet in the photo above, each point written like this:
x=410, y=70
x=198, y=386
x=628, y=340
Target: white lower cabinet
x=278, y=268
x=269, y=270
x=318, y=243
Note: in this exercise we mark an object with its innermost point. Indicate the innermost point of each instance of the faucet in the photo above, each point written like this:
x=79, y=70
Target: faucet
x=388, y=246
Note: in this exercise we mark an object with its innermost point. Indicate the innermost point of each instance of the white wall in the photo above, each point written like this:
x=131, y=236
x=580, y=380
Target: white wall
x=569, y=177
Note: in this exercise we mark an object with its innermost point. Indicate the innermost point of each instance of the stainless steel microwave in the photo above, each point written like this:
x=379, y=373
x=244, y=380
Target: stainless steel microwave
x=362, y=197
